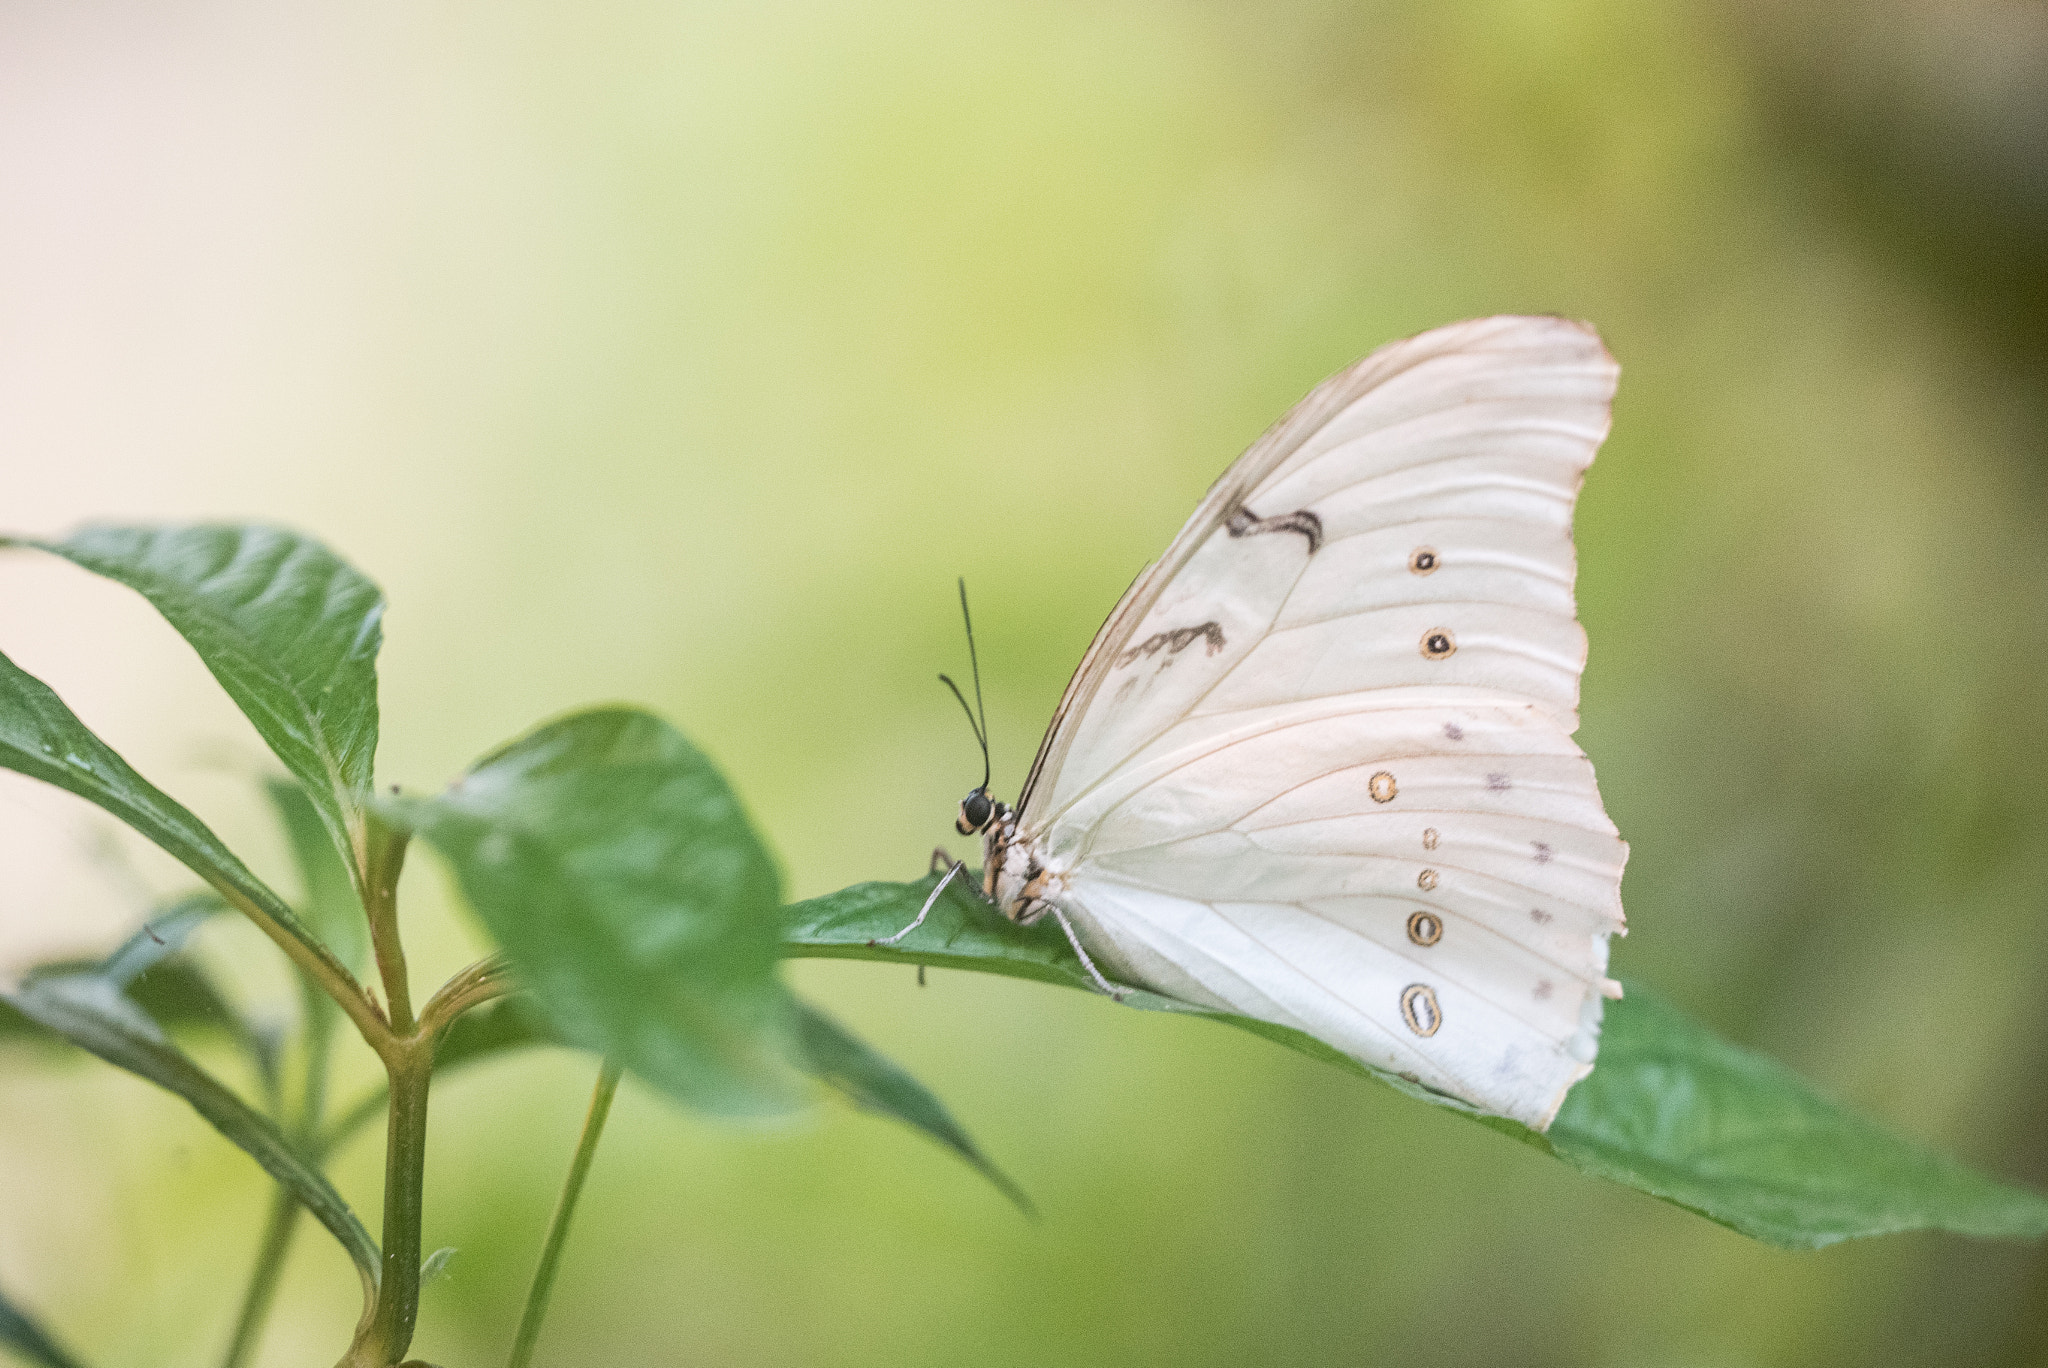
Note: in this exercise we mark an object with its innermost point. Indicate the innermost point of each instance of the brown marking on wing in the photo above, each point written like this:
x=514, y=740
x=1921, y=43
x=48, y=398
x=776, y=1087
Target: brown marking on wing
x=1244, y=523
x=1176, y=641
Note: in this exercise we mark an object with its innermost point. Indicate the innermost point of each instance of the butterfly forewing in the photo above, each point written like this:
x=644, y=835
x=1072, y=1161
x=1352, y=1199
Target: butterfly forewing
x=1494, y=419
x=1317, y=768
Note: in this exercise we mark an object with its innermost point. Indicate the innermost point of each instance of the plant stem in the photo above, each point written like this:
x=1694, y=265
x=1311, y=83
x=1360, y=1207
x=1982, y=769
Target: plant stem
x=264, y=1278
x=405, y=1167
x=565, y=1209
x=261, y=1294
x=385, y=850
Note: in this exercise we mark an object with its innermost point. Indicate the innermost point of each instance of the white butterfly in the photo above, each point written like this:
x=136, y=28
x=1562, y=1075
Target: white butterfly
x=1317, y=767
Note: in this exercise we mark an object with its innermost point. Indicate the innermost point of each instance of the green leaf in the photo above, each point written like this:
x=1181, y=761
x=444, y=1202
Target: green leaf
x=289, y=629
x=179, y=996
x=145, y=966
x=21, y=1334
x=961, y=932
x=826, y=1051
x=610, y=861
x=89, y=1010
x=43, y=739
x=163, y=934
x=15, y=1026
x=875, y=1083
x=1675, y=1110
x=1670, y=1109
x=172, y=990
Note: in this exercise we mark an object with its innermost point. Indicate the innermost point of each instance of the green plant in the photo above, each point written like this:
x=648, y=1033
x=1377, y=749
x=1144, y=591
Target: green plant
x=639, y=918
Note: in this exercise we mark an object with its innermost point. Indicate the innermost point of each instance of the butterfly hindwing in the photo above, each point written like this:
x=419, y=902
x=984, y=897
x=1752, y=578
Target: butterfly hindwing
x=1310, y=869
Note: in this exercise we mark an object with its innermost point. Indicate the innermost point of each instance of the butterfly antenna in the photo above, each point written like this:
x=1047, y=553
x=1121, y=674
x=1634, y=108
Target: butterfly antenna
x=975, y=660
x=979, y=737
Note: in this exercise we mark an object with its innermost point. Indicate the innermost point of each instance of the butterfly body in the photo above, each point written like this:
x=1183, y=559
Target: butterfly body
x=1015, y=876
x=1317, y=766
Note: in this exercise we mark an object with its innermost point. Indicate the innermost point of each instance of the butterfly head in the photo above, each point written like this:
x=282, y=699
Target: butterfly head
x=977, y=810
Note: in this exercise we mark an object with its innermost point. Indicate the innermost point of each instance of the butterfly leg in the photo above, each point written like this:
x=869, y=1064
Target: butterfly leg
x=1104, y=984
x=924, y=911
x=941, y=859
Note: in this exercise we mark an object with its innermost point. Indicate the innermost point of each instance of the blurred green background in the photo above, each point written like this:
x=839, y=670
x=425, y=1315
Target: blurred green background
x=684, y=354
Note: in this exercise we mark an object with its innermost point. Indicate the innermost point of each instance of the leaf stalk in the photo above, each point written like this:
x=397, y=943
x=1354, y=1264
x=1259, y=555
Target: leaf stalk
x=334, y=979
x=565, y=1210
x=479, y=983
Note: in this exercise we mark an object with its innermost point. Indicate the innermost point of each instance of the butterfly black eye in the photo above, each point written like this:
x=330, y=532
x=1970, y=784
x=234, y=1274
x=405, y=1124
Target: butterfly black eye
x=975, y=812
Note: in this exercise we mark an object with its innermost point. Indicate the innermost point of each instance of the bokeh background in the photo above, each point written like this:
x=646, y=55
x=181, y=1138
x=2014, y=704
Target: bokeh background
x=684, y=354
